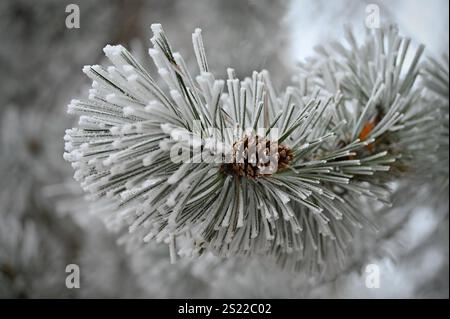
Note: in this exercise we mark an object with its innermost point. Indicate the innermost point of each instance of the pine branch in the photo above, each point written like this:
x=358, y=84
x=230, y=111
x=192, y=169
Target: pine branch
x=334, y=151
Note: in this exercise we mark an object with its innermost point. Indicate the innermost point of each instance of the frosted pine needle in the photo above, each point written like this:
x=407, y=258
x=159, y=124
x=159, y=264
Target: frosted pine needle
x=436, y=79
x=380, y=88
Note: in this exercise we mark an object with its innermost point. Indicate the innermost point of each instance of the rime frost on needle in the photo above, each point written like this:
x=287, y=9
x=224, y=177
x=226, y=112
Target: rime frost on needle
x=133, y=136
x=377, y=67
x=421, y=135
x=436, y=79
